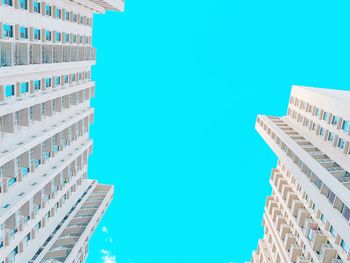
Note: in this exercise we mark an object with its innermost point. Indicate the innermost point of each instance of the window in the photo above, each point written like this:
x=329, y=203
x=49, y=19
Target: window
x=346, y=126
x=26, y=240
x=37, y=34
x=313, y=126
x=11, y=181
x=23, y=4
x=331, y=196
x=318, y=112
x=7, y=2
x=23, y=32
x=58, y=37
x=24, y=87
x=43, y=109
x=54, y=106
x=66, y=15
x=325, y=116
x=38, y=226
x=66, y=37
x=335, y=120
x=48, y=35
x=17, y=118
x=330, y=137
x=344, y=246
x=8, y=31
x=58, y=12
x=318, y=183
x=36, y=7
x=9, y=90
x=73, y=77
x=321, y=131
x=74, y=39
x=333, y=232
x=341, y=144
x=57, y=81
x=323, y=218
x=37, y=85
x=345, y=212
x=48, y=82
x=66, y=79
x=48, y=10
x=310, y=234
x=13, y=255
x=31, y=113
x=81, y=20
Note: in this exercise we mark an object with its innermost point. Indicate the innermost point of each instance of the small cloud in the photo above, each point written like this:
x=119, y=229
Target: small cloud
x=107, y=257
x=104, y=229
x=109, y=240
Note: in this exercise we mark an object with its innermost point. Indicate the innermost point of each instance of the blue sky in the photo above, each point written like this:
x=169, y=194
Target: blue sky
x=179, y=85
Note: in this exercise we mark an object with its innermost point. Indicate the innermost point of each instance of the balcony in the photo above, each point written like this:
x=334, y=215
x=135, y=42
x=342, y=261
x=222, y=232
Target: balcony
x=290, y=198
x=286, y=189
x=318, y=240
x=327, y=253
x=296, y=205
x=271, y=205
x=301, y=216
x=280, y=220
x=59, y=253
x=302, y=259
x=285, y=229
x=309, y=224
x=281, y=183
x=275, y=212
x=289, y=240
x=19, y=54
x=295, y=252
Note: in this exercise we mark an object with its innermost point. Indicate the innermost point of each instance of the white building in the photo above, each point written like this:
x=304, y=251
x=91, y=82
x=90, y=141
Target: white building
x=307, y=216
x=48, y=207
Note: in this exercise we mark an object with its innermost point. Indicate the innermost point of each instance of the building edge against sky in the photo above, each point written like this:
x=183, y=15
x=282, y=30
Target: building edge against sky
x=48, y=207
x=306, y=218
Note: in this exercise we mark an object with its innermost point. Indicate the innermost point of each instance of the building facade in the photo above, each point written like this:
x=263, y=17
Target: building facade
x=306, y=218
x=48, y=207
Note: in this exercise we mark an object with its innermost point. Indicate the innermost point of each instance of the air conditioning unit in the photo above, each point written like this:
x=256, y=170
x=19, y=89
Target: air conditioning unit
x=327, y=253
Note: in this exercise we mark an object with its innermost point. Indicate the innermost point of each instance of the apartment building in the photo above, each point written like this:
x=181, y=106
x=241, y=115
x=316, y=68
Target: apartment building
x=48, y=206
x=306, y=218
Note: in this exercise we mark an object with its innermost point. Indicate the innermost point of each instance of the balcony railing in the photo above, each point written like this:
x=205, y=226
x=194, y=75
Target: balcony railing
x=15, y=54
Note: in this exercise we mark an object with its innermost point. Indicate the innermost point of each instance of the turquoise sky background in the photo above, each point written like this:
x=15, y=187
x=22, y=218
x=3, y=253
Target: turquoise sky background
x=179, y=85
